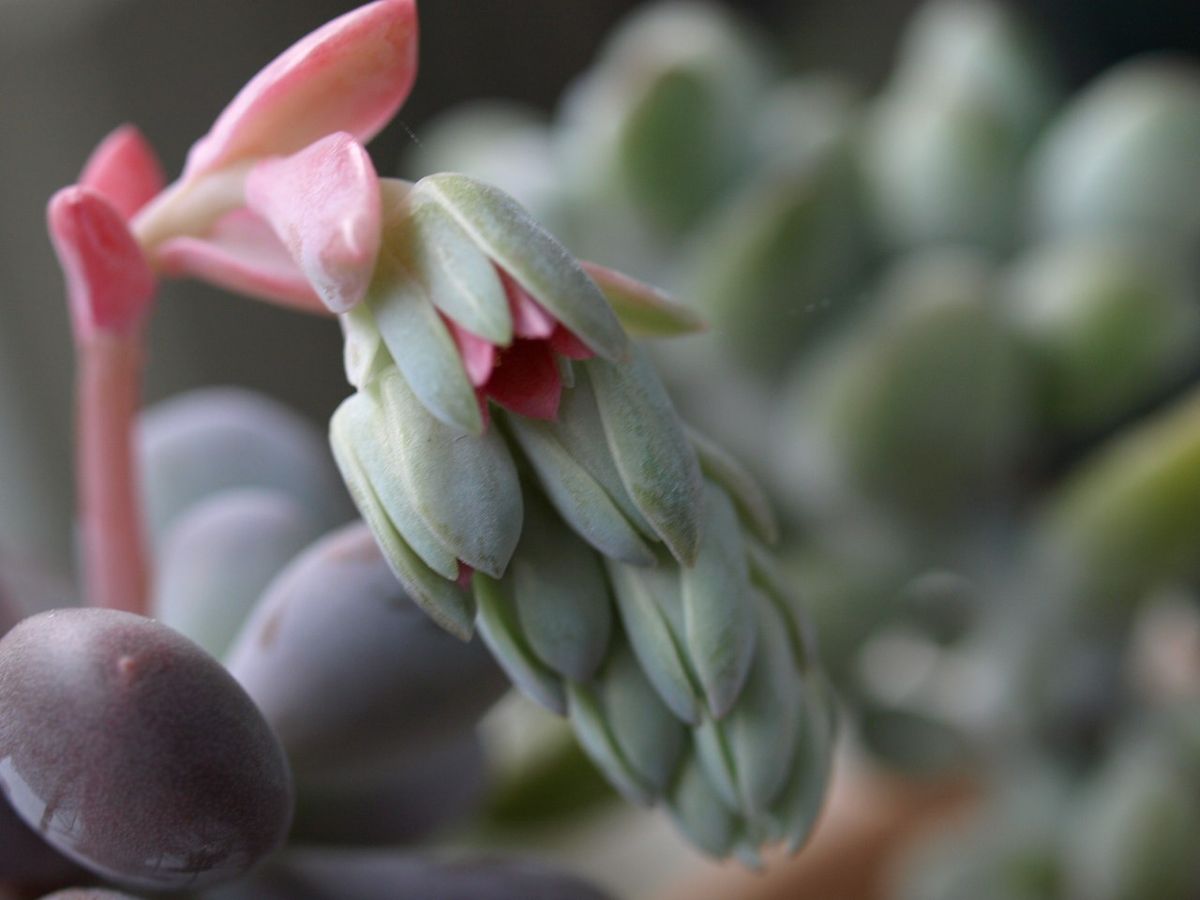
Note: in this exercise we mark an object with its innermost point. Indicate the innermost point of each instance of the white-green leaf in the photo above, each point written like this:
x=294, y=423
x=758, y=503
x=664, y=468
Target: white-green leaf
x=500, y=630
x=643, y=310
x=583, y=503
x=447, y=604
x=363, y=352
x=412, y=328
x=561, y=592
x=657, y=463
x=649, y=735
x=747, y=495
x=644, y=596
x=364, y=424
x=714, y=757
x=699, y=813
x=539, y=263
x=587, y=718
x=464, y=486
x=719, y=619
x=461, y=280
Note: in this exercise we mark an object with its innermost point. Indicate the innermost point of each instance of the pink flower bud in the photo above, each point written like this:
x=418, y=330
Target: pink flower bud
x=124, y=170
x=349, y=75
x=109, y=283
x=324, y=204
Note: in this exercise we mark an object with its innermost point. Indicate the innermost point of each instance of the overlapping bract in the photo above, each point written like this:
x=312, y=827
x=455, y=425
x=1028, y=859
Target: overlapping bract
x=613, y=561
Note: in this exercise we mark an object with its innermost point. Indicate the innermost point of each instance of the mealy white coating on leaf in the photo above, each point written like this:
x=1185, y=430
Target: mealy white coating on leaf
x=460, y=279
x=539, y=263
x=657, y=463
x=583, y=503
x=463, y=486
x=500, y=630
x=720, y=627
x=447, y=604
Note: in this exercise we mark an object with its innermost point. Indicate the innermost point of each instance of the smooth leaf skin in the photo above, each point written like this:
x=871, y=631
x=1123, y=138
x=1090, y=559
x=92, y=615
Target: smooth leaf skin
x=642, y=309
x=501, y=631
x=324, y=205
x=657, y=464
x=577, y=497
x=648, y=600
x=463, y=486
x=110, y=286
x=347, y=669
x=419, y=340
x=445, y=602
x=136, y=753
x=538, y=262
x=747, y=495
x=596, y=738
x=302, y=95
x=207, y=440
x=699, y=813
x=649, y=736
x=363, y=424
x=218, y=558
x=462, y=282
x=124, y=170
x=402, y=800
x=561, y=594
x=240, y=253
x=387, y=875
x=718, y=612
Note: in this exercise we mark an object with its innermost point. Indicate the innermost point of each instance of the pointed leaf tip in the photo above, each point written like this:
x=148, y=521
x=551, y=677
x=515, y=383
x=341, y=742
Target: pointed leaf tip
x=643, y=310
x=351, y=75
x=124, y=170
x=109, y=283
x=324, y=205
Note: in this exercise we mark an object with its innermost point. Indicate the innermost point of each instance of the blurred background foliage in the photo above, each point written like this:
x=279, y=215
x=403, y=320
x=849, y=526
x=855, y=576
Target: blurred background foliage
x=948, y=252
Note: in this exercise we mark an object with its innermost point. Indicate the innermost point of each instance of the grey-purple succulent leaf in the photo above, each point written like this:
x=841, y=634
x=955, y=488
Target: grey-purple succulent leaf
x=580, y=430
x=364, y=426
x=699, y=813
x=722, y=468
x=648, y=735
x=402, y=799
x=720, y=627
x=388, y=875
x=135, y=753
x=219, y=556
x=563, y=604
x=464, y=486
x=459, y=278
x=577, y=496
x=658, y=466
x=89, y=893
x=443, y=601
x=27, y=859
x=501, y=630
x=536, y=260
x=412, y=328
x=347, y=669
x=795, y=813
x=207, y=440
x=650, y=607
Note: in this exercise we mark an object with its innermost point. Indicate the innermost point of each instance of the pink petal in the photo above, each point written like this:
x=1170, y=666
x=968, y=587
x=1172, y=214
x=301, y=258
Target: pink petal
x=566, y=344
x=478, y=355
x=530, y=320
x=349, y=75
x=109, y=283
x=124, y=170
x=324, y=204
x=527, y=381
x=242, y=254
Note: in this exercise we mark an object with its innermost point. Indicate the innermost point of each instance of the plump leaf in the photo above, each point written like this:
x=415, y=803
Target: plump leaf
x=699, y=813
x=722, y=468
x=643, y=310
x=595, y=736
